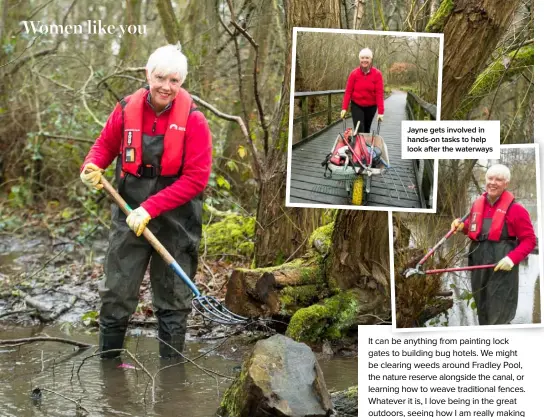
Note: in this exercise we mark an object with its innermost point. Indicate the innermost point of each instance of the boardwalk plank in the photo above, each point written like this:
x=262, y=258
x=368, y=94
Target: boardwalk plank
x=393, y=189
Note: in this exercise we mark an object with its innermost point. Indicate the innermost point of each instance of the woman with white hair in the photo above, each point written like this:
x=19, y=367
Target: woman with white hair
x=364, y=90
x=501, y=233
x=164, y=152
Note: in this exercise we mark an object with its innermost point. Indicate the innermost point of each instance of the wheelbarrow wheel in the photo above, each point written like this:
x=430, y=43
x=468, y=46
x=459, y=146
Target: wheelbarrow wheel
x=357, y=191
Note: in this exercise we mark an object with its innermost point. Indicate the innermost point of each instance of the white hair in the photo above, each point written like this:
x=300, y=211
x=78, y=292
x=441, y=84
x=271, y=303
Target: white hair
x=168, y=60
x=365, y=52
x=499, y=170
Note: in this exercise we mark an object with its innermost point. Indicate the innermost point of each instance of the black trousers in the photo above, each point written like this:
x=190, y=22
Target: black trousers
x=363, y=115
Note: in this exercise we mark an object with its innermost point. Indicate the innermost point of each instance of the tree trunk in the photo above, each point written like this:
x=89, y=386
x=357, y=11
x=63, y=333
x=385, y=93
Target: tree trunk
x=472, y=29
x=280, y=231
x=360, y=259
x=129, y=42
x=358, y=14
x=170, y=24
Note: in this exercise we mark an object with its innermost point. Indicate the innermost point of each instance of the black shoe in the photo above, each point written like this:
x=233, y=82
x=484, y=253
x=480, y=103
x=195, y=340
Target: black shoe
x=108, y=342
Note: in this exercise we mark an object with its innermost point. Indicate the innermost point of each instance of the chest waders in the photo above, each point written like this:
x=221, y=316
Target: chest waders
x=495, y=293
x=128, y=256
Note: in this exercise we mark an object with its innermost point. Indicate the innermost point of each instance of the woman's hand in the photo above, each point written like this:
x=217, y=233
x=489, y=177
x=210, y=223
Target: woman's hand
x=380, y=117
x=343, y=114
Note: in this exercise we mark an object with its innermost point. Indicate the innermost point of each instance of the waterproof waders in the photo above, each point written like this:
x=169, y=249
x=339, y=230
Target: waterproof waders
x=495, y=293
x=128, y=256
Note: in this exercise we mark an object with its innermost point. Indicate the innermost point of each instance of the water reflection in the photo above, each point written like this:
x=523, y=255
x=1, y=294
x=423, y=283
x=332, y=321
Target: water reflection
x=107, y=390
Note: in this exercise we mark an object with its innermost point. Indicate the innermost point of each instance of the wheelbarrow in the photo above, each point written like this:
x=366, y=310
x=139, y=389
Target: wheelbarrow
x=356, y=158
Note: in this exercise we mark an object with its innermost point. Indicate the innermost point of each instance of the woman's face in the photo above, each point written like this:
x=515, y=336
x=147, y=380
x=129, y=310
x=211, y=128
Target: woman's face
x=163, y=88
x=365, y=62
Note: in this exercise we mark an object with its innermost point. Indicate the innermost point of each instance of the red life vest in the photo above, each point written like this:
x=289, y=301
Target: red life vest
x=476, y=217
x=173, y=139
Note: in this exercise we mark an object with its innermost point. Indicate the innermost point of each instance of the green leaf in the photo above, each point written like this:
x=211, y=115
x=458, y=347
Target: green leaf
x=232, y=166
x=90, y=318
x=473, y=305
x=222, y=182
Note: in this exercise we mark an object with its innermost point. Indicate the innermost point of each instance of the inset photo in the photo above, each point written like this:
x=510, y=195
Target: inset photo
x=476, y=262
x=350, y=92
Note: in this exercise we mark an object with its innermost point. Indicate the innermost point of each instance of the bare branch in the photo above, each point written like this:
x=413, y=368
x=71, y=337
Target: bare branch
x=77, y=403
x=46, y=339
x=237, y=119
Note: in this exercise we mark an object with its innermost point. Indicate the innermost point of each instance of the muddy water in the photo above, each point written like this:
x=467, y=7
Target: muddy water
x=106, y=390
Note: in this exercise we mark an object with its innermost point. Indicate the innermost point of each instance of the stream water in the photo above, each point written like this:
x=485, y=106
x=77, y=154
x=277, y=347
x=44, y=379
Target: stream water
x=106, y=390
x=101, y=386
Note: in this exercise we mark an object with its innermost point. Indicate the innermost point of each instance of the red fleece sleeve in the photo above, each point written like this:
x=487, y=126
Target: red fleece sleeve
x=196, y=169
x=519, y=223
x=108, y=144
x=349, y=91
x=379, y=93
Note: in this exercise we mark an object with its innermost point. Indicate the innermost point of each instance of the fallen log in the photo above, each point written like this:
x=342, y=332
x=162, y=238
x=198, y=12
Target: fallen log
x=277, y=290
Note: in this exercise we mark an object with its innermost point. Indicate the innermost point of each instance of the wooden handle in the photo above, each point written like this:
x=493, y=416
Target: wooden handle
x=148, y=234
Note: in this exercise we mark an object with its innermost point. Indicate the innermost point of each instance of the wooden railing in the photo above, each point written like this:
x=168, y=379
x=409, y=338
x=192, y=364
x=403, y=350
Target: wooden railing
x=419, y=109
x=306, y=116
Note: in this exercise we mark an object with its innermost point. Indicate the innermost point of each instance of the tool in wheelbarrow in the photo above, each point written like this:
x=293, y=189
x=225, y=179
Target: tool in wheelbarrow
x=357, y=155
x=207, y=306
x=417, y=270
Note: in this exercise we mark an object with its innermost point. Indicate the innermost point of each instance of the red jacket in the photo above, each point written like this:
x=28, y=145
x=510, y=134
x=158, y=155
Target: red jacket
x=197, y=155
x=519, y=225
x=364, y=89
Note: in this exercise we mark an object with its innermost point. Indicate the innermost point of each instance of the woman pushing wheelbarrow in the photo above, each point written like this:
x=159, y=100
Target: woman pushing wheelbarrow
x=364, y=89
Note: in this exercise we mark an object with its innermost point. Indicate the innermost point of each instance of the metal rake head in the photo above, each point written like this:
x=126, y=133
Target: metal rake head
x=210, y=308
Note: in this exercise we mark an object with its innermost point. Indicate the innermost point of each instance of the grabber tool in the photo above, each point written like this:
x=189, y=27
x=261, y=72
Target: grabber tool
x=207, y=306
x=458, y=269
x=417, y=270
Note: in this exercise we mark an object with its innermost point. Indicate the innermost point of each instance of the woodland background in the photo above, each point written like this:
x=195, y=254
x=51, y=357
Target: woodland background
x=57, y=91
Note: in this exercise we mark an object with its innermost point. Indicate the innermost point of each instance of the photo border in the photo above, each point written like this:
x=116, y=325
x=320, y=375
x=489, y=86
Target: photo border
x=296, y=30
x=396, y=329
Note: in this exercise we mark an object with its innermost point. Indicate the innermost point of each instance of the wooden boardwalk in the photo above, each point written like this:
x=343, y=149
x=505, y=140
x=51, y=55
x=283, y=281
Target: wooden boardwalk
x=308, y=185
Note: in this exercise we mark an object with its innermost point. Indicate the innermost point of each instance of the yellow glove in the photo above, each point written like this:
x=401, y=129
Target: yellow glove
x=505, y=264
x=91, y=175
x=380, y=117
x=343, y=114
x=137, y=220
x=457, y=225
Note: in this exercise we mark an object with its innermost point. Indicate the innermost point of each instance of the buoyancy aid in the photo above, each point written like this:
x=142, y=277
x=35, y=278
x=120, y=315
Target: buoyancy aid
x=172, y=157
x=497, y=222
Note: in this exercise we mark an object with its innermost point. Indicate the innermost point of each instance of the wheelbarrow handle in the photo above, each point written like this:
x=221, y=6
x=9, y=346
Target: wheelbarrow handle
x=440, y=243
x=151, y=238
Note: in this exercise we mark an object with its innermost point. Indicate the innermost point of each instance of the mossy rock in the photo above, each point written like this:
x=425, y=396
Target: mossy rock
x=329, y=320
x=346, y=402
x=233, y=234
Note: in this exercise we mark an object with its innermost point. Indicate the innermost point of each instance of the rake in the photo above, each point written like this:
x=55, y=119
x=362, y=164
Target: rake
x=207, y=306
